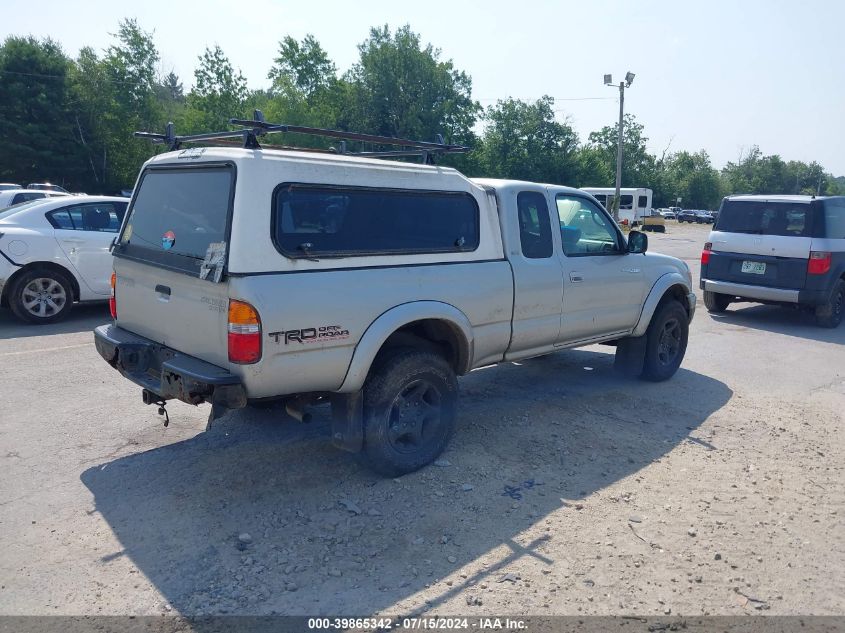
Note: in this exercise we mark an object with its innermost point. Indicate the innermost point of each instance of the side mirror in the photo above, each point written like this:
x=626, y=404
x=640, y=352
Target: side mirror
x=637, y=242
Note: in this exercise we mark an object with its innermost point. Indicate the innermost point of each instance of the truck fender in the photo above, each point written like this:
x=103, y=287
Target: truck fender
x=656, y=293
x=388, y=322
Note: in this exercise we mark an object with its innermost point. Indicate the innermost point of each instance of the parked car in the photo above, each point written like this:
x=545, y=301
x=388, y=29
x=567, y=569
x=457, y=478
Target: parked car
x=668, y=215
x=10, y=197
x=54, y=252
x=695, y=216
x=778, y=249
x=46, y=186
x=5, y=186
x=371, y=284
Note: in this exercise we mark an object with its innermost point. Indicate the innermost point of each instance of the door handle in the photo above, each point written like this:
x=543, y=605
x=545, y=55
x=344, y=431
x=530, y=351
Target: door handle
x=576, y=277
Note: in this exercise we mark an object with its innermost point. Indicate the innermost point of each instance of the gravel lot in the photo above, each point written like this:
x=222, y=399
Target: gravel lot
x=566, y=489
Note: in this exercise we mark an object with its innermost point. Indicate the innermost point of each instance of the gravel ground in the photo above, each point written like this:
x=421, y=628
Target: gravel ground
x=566, y=489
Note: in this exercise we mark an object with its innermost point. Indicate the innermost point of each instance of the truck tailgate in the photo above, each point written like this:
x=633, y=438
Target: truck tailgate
x=180, y=311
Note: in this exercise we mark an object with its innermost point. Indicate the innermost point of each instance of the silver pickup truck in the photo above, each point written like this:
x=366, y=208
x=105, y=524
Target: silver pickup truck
x=249, y=274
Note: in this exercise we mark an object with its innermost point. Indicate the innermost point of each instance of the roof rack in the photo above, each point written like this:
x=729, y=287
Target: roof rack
x=257, y=127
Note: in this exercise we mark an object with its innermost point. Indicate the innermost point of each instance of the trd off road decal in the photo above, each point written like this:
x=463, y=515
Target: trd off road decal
x=310, y=334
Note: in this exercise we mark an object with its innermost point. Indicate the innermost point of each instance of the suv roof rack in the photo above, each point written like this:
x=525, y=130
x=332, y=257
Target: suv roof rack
x=257, y=127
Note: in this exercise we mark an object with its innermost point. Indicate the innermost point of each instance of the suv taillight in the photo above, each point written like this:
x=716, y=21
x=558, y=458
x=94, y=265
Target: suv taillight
x=705, y=254
x=819, y=262
x=244, y=333
x=113, y=298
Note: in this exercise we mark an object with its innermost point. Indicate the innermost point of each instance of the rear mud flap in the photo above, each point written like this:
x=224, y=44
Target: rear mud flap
x=630, y=356
x=348, y=421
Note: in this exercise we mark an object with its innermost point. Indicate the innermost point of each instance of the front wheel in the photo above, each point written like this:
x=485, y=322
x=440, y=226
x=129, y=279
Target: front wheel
x=666, y=341
x=410, y=400
x=716, y=302
x=41, y=296
x=830, y=314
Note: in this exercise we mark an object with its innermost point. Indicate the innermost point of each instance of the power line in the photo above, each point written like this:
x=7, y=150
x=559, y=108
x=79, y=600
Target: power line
x=132, y=83
x=555, y=98
x=40, y=76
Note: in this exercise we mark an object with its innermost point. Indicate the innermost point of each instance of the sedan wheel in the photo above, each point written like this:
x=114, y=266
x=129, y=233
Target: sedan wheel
x=44, y=297
x=41, y=296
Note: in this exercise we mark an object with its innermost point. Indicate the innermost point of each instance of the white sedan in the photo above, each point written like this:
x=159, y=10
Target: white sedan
x=56, y=251
x=9, y=197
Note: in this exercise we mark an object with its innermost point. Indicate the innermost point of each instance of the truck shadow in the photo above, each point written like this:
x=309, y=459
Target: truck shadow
x=82, y=318
x=325, y=535
x=780, y=320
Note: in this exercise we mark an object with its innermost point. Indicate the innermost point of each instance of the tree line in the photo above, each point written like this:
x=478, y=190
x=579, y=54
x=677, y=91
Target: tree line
x=71, y=121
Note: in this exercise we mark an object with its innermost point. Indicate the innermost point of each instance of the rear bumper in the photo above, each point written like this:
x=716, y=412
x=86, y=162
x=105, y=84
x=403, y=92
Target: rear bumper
x=762, y=293
x=166, y=372
x=807, y=296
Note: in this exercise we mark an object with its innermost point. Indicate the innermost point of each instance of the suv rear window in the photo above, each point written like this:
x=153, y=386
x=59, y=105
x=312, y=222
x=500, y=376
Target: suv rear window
x=177, y=214
x=834, y=218
x=764, y=217
x=324, y=220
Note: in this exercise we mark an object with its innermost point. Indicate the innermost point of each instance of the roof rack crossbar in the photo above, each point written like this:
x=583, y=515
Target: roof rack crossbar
x=260, y=123
x=258, y=127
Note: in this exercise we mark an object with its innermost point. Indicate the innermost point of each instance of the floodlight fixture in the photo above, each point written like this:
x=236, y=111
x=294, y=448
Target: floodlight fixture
x=629, y=79
x=608, y=80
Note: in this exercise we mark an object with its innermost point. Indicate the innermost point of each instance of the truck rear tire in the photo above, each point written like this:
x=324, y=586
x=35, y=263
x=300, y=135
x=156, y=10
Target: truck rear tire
x=716, y=302
x=830, y=314
x=410, y=402
x=666, y=341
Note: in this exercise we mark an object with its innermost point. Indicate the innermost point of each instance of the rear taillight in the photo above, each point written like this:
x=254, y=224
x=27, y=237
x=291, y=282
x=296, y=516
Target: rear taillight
x=244, y=333
x=705, y=254
x=113, y=299
x=819, y=262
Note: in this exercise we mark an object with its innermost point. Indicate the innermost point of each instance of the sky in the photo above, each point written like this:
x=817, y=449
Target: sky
x=717, y=75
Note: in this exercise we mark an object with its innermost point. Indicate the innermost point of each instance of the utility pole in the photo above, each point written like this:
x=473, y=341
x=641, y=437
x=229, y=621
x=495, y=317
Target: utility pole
x=619, y=151
x=608, y=81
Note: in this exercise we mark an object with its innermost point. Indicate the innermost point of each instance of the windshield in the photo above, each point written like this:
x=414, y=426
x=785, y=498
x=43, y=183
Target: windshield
x=764, y=217
x=179, y=211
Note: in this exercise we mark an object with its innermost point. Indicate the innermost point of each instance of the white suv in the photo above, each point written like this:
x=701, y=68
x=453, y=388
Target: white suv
x=780, y=250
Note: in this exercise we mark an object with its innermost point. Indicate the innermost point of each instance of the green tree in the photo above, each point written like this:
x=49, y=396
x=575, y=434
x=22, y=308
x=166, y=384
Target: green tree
x=691, y=177
x=304, y=66
x=220, y=93
x=305, y=89
x=401, y=88
x=37, y=136
x=638, y=166
x=115, y=96
x=130, y=64
x=524, y=141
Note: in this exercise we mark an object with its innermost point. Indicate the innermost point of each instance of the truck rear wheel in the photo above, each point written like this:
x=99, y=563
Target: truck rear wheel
x=410, y=400
x=716, y=302
x=666, y=341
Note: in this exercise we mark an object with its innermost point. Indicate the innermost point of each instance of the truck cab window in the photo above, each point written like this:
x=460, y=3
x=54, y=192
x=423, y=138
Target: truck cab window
x=584, y=228
x=535, y=232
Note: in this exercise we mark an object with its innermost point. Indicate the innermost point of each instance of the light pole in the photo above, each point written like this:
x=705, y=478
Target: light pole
x=608, y=81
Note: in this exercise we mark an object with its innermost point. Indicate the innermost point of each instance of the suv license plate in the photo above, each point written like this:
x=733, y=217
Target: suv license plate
x=756, y=268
